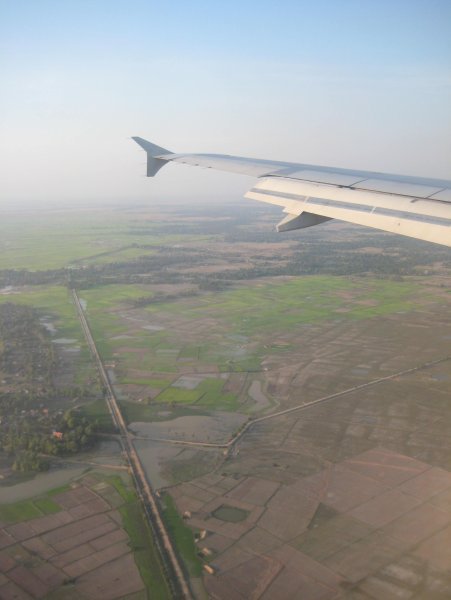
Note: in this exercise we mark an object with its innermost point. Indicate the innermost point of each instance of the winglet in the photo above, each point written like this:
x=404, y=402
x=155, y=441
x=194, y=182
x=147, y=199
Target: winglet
x=153, y=164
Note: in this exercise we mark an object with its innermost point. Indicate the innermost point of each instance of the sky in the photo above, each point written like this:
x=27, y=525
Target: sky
x=359, y=84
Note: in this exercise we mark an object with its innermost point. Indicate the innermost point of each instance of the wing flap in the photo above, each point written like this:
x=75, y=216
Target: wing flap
x=422, y=219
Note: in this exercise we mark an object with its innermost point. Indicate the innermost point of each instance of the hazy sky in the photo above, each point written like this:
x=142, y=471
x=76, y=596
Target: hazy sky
x=364, y=84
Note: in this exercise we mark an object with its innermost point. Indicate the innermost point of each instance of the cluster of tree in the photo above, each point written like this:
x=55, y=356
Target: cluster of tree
x=32, y=422
x=160, y=297
x=30, y=440
x=320, y=250
x=26, y=350
x=17, y=277
x=42, y=400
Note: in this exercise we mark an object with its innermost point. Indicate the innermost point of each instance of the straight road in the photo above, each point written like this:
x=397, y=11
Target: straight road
x=174, y=573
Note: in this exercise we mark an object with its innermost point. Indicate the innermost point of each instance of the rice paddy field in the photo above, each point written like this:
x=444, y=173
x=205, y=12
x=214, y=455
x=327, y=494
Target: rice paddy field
x=345, y=499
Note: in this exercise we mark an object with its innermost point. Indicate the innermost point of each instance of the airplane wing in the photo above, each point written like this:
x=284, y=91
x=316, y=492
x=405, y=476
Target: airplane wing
x=309, y=194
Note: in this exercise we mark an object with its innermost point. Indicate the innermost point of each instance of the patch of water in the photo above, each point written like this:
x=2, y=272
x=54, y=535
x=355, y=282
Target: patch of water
x=106, y=452
x=111, y=375
x=153, y=456
x=190, y=382
x=257, y=395
x=236, y=337
x=359, y=371
x=8, y=289
x=40, y=484
x=440, y=377
x=48, y=325
x=216, y=428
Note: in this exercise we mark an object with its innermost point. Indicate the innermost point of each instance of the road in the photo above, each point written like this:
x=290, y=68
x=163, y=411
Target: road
x=229, y=445
x=174, y=573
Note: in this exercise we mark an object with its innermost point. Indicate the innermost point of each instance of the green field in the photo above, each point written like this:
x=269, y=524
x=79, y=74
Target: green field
x=28, y=509
x=251, y=309
x=134, y=411
x=251, y=312
x=97, y=411
x=207, y=393
x=54, y=301
x=182, y=536
x=54, y=239
x=144, y=551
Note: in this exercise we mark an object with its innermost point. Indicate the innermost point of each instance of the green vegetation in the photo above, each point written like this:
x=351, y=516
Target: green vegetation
x=53, y=301
x=139, y=411
x=277, y=306
x=32, y=423
x=207, y=393
x=188, y=469
x=179, y=396
x=152, y=383
x=54, y=305
x=46, y=505
x=87, y=237
x=182, y=536
x=133, y=521
x=32, y=437
x=58, y=490
x=28, y=509
x=97, y=412
x=19, y=511
x=213, y=396
x=102, y=298
x=145, y=553
x=119, y=485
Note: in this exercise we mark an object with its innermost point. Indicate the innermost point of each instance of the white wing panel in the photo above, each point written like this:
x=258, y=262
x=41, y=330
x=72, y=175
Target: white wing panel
x=422, y=219
x=397, y=187
x=443, y=195
x=323, y=177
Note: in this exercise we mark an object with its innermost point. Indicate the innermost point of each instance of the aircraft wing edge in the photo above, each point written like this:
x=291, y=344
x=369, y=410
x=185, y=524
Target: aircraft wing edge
x=308, y=204
x=309, y=194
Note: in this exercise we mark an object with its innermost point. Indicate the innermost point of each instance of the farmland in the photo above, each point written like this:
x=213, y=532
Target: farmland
x=206, y=320
x=84, y=540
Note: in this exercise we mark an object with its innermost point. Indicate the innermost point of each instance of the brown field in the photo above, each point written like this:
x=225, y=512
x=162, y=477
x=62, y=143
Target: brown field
x=80, y=552
x=383, y=510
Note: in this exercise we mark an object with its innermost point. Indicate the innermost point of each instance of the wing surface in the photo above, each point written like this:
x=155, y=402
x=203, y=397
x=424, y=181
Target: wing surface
x=309, y=194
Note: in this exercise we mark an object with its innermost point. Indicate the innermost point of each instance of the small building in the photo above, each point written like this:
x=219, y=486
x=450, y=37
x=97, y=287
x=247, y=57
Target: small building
x=209, y=569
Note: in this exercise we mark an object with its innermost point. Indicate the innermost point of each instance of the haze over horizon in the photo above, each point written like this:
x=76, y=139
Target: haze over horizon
x=351, y=84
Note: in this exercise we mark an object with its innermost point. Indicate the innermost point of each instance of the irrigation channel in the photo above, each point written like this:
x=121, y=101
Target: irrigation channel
x=175, y=576
x=228, y=446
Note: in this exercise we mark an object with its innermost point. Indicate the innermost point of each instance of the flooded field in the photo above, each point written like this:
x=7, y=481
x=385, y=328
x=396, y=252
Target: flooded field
x=41, y=483
x=217, y=428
